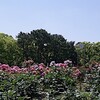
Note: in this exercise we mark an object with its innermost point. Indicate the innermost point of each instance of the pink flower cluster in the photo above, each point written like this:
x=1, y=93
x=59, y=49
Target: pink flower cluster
x=41, y=69
x=35, y=69
x=13, y=69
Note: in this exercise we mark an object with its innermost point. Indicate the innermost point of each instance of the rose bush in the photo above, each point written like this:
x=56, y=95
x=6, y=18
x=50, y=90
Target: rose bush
x=59, y=81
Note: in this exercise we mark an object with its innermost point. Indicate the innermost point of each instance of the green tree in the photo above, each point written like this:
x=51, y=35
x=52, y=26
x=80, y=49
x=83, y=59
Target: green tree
x=33, y=44
x=9, y=51
x=88, y=52
x=44, y=47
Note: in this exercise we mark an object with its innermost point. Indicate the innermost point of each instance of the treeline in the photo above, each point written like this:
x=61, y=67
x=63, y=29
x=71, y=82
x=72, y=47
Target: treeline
x=42, y=46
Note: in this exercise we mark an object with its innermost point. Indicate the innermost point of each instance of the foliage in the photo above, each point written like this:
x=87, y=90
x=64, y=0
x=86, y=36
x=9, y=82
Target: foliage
x=88, y=53
x=9, y=50
x=58, y=82
x=41, y=46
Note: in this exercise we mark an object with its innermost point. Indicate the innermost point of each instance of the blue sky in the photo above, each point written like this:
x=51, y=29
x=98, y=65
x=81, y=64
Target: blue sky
x=76, y=20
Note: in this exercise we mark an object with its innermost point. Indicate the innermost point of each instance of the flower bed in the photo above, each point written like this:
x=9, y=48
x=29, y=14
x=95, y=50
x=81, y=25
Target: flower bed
x=56, y=82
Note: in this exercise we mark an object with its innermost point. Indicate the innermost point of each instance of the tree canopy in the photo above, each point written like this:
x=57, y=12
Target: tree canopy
x=45, y=47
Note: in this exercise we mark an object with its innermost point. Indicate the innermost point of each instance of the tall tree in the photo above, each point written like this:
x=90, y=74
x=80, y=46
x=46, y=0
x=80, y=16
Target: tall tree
x=44, y=47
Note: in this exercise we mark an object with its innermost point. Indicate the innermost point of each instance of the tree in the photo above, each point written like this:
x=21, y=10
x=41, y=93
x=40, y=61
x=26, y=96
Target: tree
x=58, y=48
x=32, y=44
x=88, y=53
x=41, y=46
x=9, y=51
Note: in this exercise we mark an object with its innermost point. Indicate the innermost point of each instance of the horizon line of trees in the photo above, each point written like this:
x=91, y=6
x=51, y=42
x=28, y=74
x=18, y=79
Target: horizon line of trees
x=45, y=47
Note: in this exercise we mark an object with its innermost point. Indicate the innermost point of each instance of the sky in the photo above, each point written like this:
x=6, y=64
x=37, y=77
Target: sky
x=75, y=20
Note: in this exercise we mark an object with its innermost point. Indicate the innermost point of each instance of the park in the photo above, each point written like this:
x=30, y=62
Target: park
x=44, y=66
